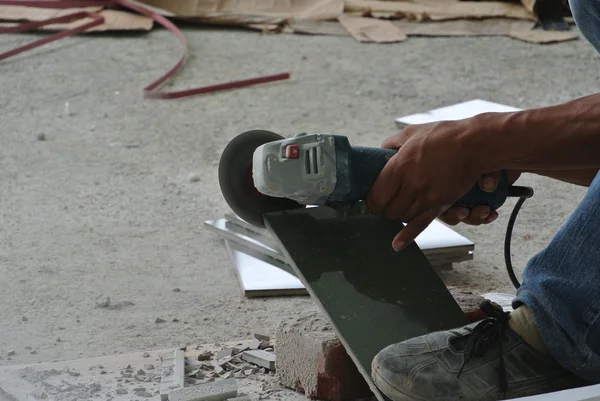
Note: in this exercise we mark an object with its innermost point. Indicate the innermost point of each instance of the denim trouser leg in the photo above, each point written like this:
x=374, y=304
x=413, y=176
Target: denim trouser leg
x=586, y=14
x=561, y=285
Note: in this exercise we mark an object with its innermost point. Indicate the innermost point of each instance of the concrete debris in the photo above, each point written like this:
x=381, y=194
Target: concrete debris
x=41, y=136
x=193, y=177
x=28, y=347
x=144, y=394
x=40, y=394
x=176, y=290
x=121, y=391
x=239, y=375
x=24, y=319
x=33, y=352
x=261, y=358
x=146, y=355
x=262, y=338
x=33, y=375
x=223, y=361
x=68, y=110
x=225, y=353
x=67, y=391
x=173, y=373
x=74, y=374
x=205, y=356
x=11, y=353
x=211, y=391
x=102, y=301
x=120, y=305
x=149, y=366
x=159, y=320
x=141, y=373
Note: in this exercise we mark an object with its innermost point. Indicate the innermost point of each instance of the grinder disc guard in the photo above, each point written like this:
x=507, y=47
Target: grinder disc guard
x=237, y=184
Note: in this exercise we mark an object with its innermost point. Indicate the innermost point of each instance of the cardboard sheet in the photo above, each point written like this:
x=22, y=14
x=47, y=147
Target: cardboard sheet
x=529, y=5
x=516, y=29
x=464, y=9
x=372, y=29
x=214, y=9
x=333, y=28
x=542, y=37
x=463, y=27
x=114, y=20
x=20, y=13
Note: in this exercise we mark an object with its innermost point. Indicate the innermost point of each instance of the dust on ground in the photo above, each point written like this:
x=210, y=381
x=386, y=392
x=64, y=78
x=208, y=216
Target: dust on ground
x=107, y=197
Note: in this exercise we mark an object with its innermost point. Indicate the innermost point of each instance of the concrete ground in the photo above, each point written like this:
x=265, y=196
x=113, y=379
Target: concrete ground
x=104, y=205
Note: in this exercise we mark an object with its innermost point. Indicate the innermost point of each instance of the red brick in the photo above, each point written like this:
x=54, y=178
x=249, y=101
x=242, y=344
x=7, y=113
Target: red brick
x=311, y=360
x=468, y=302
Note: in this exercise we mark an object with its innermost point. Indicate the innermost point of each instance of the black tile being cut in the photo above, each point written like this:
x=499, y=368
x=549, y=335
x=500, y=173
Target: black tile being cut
x=372, y=295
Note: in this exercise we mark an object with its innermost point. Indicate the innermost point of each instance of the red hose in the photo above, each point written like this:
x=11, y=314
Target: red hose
x=149, y=91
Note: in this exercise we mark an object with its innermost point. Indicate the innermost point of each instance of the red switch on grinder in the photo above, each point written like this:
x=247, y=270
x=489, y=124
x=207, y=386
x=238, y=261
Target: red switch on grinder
x=291, y=151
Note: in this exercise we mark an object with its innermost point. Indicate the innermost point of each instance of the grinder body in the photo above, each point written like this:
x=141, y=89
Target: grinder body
x=324, y=169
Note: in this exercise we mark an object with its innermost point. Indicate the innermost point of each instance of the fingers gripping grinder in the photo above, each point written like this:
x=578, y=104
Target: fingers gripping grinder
x=262, y=172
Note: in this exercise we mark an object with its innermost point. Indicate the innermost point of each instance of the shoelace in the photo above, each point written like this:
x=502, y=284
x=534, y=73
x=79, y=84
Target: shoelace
x=489, y=332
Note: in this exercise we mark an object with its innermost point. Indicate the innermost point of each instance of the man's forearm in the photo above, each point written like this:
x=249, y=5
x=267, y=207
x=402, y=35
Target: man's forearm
x=562, y=137
x=576, y=177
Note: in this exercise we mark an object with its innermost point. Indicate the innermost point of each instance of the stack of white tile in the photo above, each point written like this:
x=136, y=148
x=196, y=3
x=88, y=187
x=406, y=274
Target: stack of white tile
x=263, y=269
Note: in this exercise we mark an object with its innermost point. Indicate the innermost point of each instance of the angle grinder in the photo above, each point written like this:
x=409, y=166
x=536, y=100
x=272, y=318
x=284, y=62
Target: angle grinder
x=262, y=172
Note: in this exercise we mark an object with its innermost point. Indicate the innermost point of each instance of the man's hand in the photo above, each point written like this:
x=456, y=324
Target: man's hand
x=480, y=214
x=433, y=169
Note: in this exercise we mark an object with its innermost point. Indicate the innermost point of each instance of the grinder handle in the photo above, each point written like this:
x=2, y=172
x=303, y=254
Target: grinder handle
x=366, y=164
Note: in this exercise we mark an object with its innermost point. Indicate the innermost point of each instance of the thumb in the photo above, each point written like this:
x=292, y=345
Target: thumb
x=489, y=182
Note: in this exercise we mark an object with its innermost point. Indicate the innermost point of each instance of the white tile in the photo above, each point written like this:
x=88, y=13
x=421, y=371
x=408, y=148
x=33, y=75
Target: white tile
x=457, y=111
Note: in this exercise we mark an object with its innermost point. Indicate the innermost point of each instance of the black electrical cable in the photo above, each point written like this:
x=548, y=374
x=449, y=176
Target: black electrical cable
x=507, y=240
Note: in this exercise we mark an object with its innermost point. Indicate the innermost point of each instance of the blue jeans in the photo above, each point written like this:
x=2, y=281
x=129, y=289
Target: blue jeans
x=561, y=284
x=586, y=14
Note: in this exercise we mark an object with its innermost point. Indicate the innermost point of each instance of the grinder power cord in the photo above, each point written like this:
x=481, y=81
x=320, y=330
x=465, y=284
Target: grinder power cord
x=262, y=172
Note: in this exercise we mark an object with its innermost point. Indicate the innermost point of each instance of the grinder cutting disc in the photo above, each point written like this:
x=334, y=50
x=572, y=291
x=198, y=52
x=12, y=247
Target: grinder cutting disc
x=237, y=184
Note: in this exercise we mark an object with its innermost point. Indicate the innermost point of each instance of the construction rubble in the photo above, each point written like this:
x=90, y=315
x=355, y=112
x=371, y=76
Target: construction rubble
x=213, y=374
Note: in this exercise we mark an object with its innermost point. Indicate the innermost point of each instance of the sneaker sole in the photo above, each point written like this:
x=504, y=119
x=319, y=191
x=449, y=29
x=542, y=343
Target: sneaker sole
x=389, y=390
